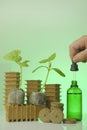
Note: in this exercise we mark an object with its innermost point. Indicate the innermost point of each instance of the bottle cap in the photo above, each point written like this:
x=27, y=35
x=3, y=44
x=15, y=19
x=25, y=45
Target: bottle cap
x=74, y=67
x=74, y=82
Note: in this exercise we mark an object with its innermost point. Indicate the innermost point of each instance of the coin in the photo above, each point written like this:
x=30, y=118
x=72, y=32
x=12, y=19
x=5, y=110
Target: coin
x=44, y=115
x=56, y=116
x=12, y=74
x=69, y=121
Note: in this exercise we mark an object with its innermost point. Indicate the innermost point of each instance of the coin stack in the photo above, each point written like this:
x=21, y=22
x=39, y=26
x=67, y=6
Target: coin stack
x=56, y=105
x=52, y=93
x=54, y=116
x=12, y=80
x=32, y=86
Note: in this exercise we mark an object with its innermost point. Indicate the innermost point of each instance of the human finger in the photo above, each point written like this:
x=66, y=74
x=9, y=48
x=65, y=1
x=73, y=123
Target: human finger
x=81, y=56
x=77, y=46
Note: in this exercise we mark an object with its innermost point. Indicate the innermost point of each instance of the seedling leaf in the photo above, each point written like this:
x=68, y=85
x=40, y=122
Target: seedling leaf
x=13, y=56
x=58, y=71
x=38, y=68
x=24, y=63
x=44, y=61
x=52, y=57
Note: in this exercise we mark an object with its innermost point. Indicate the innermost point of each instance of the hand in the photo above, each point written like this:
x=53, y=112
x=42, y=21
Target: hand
x=78, y=50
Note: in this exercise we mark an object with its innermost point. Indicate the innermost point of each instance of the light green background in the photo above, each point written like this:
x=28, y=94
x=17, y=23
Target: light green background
x=39, y=28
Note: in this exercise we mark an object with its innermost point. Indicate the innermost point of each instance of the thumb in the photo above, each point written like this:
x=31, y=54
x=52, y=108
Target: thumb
x=81, y=56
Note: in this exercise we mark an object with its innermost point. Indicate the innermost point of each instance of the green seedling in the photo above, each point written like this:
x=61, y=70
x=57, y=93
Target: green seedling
x=15, y=56
x=49, y=68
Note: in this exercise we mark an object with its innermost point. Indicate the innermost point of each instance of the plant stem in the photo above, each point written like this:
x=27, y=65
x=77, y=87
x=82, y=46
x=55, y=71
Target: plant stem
x=49, y=67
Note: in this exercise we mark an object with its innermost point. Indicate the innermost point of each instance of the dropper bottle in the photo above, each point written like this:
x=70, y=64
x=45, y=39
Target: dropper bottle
x=74, y=97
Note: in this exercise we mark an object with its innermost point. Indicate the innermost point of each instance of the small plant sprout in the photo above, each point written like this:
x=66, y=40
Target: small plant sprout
x=49, y=68
x=16, y=57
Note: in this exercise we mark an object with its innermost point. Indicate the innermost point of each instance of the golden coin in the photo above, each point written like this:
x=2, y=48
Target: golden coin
x=57, y=104
x=14, y=79
x=55, y=94
x=53, y=108
x=33, y=82
x=69, y=121
x=53, y=99
x=56, y=116
x=12, y=74
x=52, y=86
x=44, y=115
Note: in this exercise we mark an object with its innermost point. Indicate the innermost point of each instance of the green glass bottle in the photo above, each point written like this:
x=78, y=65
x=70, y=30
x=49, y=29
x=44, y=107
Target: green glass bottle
x=74, y=101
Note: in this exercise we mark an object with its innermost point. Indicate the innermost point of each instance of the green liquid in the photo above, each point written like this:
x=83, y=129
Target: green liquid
x=74, y=105
x=74, y=101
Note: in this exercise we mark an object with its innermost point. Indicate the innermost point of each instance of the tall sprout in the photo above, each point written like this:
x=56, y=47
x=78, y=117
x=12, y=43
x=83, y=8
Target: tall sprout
x=49, y=68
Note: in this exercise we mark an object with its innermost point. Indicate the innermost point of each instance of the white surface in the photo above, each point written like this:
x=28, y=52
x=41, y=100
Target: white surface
x=40, y=126
x=28, y=125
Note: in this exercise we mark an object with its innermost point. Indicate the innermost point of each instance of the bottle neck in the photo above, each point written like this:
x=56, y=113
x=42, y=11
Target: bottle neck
x=74, y=83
